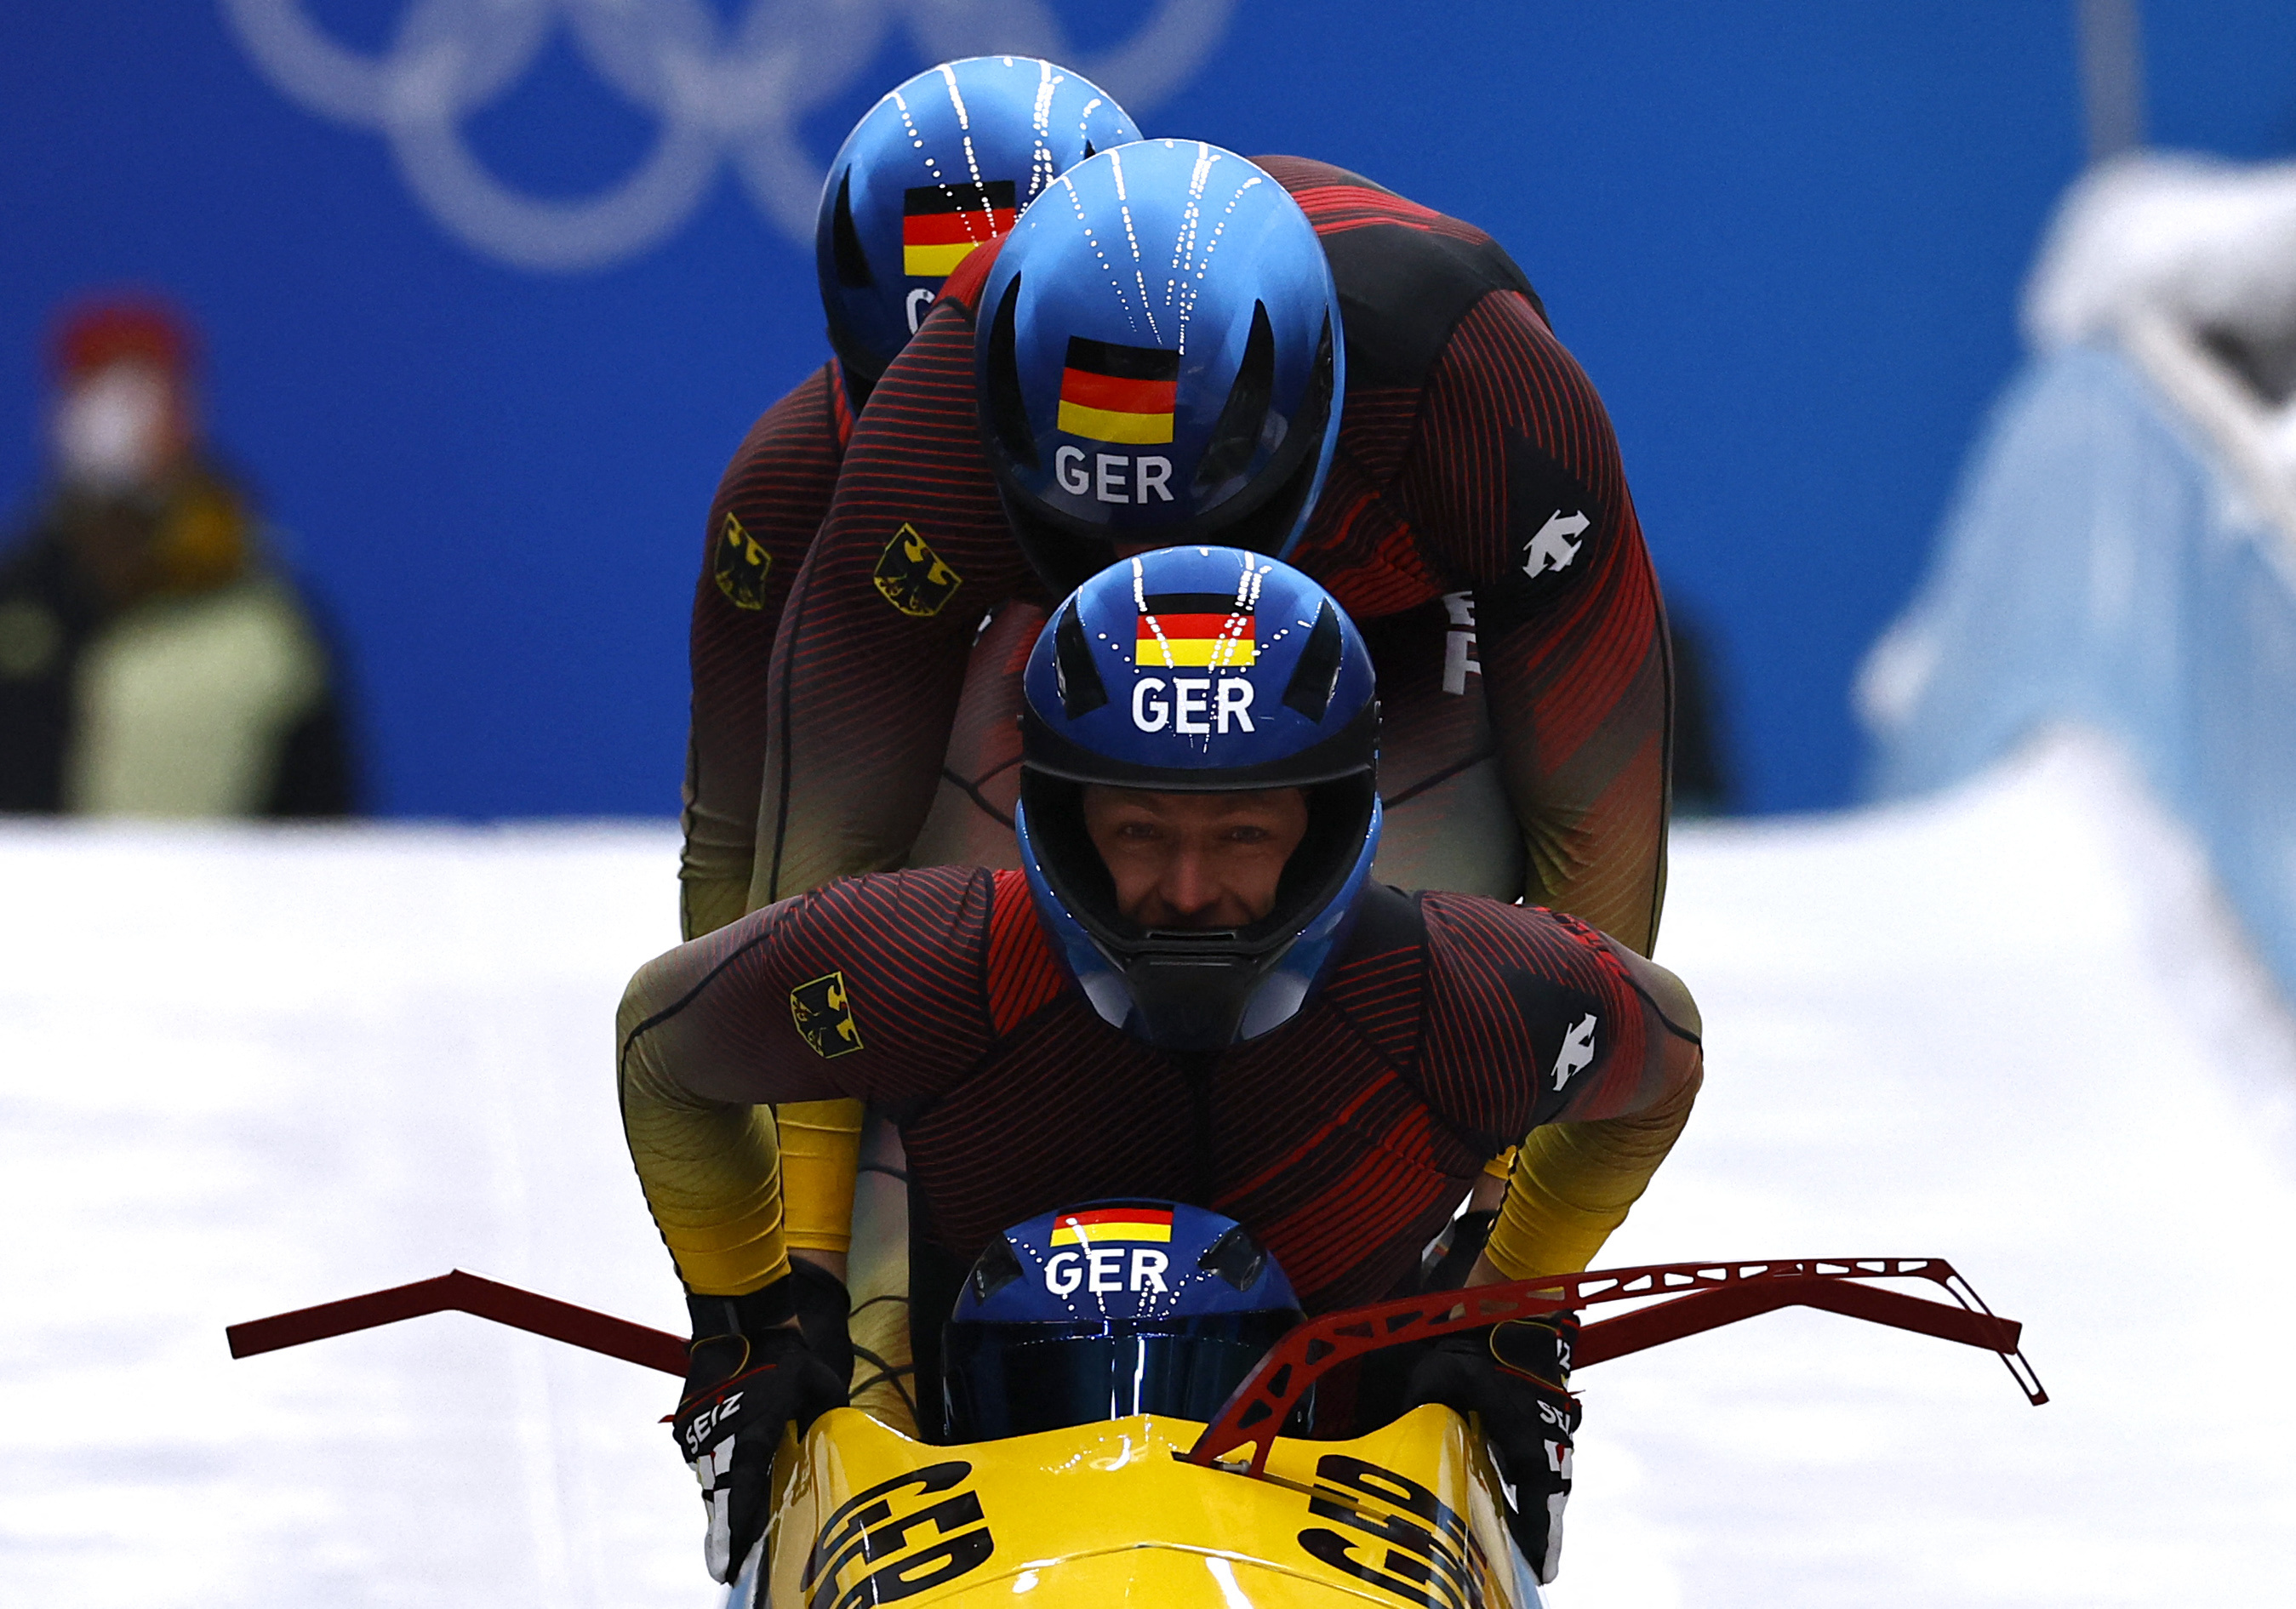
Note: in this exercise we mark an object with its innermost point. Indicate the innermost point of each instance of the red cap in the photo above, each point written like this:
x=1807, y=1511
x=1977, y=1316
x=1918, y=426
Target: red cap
x=105, y=330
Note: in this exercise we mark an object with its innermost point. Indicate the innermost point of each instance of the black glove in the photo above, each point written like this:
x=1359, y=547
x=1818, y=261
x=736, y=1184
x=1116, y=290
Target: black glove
x=1517, y=1376
x=824, y=1311
x=749, y=1374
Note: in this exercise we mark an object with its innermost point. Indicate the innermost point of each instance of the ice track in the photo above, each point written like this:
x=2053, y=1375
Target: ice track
x=245, y=1071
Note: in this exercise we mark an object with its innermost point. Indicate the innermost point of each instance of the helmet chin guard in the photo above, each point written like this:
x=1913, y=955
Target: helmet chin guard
x=1199, y=670
x=1161, y=359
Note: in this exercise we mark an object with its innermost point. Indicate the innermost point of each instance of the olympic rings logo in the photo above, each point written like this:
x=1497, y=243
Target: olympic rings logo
x=734, y=92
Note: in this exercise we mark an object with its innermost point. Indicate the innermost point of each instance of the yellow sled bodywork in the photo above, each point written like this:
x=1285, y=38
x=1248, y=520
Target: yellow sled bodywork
x=1107, y=1516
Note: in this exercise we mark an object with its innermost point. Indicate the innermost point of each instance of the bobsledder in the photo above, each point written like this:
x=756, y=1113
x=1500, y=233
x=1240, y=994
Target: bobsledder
x=1184, y=1449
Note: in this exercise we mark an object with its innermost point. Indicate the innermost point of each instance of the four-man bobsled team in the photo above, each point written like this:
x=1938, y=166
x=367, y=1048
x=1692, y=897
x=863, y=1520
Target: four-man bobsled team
x=1178, y=557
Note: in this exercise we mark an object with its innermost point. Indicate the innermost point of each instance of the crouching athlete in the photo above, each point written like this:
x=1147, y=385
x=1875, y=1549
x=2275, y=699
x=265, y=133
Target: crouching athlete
x=1192, y=991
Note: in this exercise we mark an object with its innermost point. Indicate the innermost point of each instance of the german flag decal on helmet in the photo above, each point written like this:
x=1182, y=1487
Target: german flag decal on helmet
x=1096, y=1225
x=941, y=224
x=1195, y=629
x=1116, y=393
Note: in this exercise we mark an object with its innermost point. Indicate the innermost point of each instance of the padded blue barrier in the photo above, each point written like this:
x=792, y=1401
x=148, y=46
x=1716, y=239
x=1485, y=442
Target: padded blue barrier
x=2101, y=566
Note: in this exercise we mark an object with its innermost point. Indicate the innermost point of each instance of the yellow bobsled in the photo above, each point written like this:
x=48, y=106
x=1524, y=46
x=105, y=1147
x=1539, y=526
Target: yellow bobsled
x=1112, y=1515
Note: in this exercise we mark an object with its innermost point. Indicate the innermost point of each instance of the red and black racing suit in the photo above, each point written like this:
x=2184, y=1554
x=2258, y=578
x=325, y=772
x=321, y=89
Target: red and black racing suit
x=1451, y=1027
x=769, y=503
x=1475, y=520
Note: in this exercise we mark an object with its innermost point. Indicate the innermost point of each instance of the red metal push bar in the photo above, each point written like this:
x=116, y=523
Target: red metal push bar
x=461, y=1293
x=1699, y=1296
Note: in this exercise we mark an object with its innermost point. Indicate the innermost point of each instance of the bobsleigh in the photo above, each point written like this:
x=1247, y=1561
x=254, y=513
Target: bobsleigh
x=1170, y=1514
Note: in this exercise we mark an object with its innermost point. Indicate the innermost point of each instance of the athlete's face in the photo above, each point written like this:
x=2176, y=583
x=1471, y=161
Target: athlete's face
x=1195, y=860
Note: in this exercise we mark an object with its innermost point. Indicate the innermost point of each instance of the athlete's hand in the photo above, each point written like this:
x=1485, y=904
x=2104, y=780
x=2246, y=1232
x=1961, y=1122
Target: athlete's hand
x=1517, y=1376
x=751, y=1373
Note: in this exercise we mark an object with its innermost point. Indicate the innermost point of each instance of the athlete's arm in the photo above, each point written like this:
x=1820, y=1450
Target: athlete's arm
x=871, y=656
x=869, y=990
x=768, y=505
x=1515, y=482
x=1576, y=1178
x=821, y=1139
x=1584, y=1042
x=1572, y=1184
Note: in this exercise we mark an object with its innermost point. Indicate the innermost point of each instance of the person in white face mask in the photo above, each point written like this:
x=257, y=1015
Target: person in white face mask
x=152, y=662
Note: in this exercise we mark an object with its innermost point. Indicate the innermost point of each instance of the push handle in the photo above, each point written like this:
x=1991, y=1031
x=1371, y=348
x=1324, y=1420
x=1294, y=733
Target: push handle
x=1700, y=1296
x=460, y=1292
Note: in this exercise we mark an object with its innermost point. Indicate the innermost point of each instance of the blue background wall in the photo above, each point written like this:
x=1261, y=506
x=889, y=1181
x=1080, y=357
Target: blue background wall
x=1785, y=242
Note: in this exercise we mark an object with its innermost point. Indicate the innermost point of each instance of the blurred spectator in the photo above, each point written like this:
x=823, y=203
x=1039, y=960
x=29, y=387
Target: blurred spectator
x=153, y=662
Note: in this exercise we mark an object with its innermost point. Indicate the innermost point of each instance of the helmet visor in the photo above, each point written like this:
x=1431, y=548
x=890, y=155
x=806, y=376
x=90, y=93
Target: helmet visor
x=1015, y=1379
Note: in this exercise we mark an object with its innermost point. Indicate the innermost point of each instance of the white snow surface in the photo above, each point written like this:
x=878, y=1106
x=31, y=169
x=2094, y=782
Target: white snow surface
x=243, y=1071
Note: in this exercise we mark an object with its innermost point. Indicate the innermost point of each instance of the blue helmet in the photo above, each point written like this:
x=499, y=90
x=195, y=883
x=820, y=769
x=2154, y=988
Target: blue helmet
x=1107, y=1310
x=1160, y=359
x=943, y=163
x=1198, y=669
